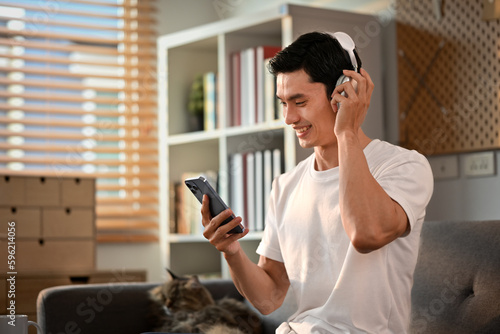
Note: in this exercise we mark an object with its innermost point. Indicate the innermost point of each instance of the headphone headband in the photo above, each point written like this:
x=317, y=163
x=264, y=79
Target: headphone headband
x=347, y=44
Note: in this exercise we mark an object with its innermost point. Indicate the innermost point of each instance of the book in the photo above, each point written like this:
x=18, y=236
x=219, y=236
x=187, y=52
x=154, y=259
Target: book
x=268, y=177
x=265, y=83
x=236, y=195
x=235, y=112
x=276, y=163
x=259, y=191
x=250, y=191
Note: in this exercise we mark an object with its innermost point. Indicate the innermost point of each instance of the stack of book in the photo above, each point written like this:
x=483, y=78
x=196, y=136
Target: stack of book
x=253, y=88
x=251, y=177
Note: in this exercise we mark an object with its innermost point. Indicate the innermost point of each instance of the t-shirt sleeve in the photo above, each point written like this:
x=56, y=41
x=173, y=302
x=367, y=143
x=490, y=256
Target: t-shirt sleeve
x=269, y=245
x=408, y=180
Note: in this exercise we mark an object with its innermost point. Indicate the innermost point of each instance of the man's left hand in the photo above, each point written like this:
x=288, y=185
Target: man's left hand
x=353, y=106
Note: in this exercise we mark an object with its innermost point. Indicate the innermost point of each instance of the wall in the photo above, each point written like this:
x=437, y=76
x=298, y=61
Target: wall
x=465, y=80
x=465, y=198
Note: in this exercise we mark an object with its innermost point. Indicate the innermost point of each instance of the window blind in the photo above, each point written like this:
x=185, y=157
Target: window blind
x=78, y=98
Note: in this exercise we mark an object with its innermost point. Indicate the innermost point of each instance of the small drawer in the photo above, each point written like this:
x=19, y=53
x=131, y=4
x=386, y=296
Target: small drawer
x=3, y=295
x=43, y=191
x=27, y=221
x=12, y=190
x=51, y=255
x=68, y=222
x=78, y=192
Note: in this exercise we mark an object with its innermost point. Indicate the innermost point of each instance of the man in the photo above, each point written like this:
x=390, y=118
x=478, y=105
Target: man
x=342, y=228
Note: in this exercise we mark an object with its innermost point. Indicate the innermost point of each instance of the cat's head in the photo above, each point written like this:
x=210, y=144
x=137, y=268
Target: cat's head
x=182, y=293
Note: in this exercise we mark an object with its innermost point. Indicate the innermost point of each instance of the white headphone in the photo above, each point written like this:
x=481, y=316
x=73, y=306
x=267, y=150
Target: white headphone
x=347, y=44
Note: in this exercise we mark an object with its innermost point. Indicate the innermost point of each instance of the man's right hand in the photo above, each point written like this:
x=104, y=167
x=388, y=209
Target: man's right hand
x=219, y=235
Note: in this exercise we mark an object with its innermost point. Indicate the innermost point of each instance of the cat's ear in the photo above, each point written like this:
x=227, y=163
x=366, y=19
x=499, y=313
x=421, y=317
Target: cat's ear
x=172, y=275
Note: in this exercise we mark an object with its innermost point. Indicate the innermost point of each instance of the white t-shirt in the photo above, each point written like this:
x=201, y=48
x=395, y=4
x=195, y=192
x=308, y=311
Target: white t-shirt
x=338, y=289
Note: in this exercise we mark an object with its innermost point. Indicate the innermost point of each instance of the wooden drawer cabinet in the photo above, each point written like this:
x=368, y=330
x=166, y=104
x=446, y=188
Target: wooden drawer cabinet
x=54, y=222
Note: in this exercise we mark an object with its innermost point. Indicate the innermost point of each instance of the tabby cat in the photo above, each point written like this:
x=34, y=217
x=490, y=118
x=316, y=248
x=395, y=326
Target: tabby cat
x=184, y=305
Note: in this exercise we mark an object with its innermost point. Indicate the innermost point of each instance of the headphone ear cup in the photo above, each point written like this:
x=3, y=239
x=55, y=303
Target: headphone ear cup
x=342, y=79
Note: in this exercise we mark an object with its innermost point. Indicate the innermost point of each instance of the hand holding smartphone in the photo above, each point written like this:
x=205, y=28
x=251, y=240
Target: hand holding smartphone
x=199, y=186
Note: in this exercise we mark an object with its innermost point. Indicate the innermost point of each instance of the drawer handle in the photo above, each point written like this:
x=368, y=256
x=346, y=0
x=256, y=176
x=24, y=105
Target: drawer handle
x=13, y=209
x=41, y=242
x=6, y=178
x=79, y=279
x=68, y=211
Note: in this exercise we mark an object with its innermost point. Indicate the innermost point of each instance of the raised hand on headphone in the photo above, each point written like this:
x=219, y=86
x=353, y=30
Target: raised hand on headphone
x=351, y=107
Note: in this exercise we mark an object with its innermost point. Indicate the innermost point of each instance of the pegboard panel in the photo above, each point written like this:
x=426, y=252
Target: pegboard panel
x=448, y=73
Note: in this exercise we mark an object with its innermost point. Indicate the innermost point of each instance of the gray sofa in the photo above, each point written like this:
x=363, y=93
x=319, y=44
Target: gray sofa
x=456, y=290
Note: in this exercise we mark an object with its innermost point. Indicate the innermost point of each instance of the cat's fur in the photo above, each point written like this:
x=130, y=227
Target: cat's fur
x=184, y=305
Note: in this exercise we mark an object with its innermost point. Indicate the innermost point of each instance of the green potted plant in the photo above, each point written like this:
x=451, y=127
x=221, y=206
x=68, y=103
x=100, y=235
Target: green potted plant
x=196, y=104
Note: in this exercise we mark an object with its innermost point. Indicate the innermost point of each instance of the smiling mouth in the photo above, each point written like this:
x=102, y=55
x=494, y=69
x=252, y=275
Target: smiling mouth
x=303, y=129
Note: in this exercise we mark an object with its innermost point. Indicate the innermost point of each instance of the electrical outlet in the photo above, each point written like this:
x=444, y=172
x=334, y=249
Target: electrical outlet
x=480, y=164
x=444, y=167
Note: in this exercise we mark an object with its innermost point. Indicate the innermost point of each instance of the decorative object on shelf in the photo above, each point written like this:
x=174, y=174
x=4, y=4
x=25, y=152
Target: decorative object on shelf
x=196, y=104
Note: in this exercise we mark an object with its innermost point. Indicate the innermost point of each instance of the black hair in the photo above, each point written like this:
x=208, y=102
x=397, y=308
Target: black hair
x=319, y=54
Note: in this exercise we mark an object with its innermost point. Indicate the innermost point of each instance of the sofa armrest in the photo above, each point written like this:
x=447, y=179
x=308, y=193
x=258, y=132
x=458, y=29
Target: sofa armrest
x=95, y=308
x=106, y=308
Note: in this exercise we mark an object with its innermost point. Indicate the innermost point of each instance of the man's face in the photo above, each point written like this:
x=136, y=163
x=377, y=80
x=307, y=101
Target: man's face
x=307, y=109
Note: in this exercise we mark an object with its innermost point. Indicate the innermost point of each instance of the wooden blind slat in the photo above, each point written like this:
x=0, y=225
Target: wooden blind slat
x=29, y=20
x=77, y=86
x=63, y=73
x=127, y=201
x=146, y=55
x=142, y=6
x=114, y=187
x=106, y=224
x=140, y=18
x=76, y=148
x=60, y=60
x=104, y=211
x=78, y=161
x=73, y=37
x=76, y=111
x=126, y=238
x=76, y=136
x=76, y=98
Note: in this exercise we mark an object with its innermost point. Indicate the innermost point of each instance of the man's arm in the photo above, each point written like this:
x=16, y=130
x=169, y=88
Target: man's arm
x=370, y=217
x=264, y=284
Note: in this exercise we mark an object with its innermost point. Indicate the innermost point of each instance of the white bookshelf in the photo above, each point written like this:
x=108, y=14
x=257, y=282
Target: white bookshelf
x=184, y=54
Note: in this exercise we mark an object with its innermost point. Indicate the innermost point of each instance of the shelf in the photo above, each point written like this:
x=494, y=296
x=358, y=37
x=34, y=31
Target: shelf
x=193, y=137
x=241, y=130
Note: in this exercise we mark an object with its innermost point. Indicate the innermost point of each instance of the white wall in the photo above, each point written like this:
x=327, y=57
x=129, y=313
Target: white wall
x=466, y=198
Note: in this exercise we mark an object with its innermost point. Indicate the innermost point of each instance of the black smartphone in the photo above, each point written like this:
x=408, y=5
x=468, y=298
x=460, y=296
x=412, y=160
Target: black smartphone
x=199, y=186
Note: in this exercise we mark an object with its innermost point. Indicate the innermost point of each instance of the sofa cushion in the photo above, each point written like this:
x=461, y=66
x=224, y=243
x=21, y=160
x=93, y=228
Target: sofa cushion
x=457, y=278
